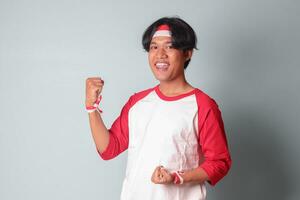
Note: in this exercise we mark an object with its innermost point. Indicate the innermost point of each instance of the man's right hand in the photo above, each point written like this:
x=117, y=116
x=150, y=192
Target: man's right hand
x=94, y=87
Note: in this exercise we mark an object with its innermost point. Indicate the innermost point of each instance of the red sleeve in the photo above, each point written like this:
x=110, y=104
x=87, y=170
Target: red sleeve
x=119, y=134
x=213, y=144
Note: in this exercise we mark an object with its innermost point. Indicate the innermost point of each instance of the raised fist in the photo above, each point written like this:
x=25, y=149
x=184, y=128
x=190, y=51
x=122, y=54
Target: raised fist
x=94, y=87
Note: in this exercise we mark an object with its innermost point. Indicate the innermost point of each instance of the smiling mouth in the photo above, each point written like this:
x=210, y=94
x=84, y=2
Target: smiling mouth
x=162, y=65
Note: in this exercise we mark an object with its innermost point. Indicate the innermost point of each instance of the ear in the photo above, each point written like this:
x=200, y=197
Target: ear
x=188, y=54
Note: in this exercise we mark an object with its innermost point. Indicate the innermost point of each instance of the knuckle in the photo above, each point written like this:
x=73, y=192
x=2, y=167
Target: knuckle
x=90, y=83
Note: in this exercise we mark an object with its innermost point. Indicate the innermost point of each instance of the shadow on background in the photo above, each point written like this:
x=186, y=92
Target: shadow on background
x=260, y=118
x=258, y=170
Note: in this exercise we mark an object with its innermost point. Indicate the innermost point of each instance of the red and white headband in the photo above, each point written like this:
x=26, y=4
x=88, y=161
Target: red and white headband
x=162, y=30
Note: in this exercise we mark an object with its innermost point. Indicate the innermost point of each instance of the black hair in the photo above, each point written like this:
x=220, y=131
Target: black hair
x=183, y=35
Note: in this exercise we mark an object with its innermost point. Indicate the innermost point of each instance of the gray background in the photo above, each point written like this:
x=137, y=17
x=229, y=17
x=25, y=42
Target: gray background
x=248, y=61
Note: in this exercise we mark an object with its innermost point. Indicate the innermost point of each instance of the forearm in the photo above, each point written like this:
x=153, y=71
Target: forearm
x=197, y=175
x=99, y=131
x=162, y=176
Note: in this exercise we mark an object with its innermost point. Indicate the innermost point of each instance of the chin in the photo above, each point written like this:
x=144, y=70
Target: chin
x=161, y=79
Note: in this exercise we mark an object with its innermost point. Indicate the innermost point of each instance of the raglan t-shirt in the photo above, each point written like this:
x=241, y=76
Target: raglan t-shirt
x=181, y=132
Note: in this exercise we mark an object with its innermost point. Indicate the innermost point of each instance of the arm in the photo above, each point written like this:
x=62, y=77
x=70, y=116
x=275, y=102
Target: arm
x=163, y=176
x=99, y=131
x=214, y=146
x=197, y=175
x=109, y=142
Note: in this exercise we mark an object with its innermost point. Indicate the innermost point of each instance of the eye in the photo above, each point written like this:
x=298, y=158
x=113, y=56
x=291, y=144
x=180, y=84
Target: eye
x=169, y=46
x=153, y=47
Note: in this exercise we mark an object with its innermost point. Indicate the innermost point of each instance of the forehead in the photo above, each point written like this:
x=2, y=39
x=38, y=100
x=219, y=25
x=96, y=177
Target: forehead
x=161, y=40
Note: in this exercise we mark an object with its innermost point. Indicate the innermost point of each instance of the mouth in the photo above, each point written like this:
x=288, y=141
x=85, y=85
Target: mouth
x=162, y=66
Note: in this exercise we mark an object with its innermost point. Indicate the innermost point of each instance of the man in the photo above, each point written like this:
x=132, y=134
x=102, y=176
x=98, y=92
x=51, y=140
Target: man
x=174, y=132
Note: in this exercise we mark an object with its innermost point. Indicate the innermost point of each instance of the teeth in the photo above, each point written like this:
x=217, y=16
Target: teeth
x=162, y=65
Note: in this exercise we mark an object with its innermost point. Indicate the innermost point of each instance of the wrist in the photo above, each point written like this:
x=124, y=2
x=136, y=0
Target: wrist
x=177, y=177
x=89, y=103
x=93, y=106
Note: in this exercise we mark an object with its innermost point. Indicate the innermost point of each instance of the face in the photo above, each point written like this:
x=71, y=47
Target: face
x=165, y=61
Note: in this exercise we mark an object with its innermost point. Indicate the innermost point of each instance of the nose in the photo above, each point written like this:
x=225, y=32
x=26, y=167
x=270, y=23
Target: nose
x=161, y=53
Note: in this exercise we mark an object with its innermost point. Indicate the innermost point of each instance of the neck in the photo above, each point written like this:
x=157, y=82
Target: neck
x=174, y=87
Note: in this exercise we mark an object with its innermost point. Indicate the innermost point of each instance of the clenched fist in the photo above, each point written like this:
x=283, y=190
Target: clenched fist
x=162, y=176
x=94, y=87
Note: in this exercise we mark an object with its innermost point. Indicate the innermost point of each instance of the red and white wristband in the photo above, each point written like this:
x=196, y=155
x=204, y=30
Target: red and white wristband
x=178, y=179
x=95, y=107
